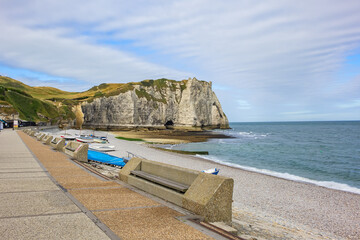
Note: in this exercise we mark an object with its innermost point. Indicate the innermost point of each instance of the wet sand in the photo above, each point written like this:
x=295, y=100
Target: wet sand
x=268, y=207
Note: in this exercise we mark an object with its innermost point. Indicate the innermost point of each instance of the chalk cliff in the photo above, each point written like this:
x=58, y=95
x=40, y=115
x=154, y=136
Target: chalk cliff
x=157, y=104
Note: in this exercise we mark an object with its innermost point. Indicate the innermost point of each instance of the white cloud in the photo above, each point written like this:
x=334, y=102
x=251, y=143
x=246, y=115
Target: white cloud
x=50, y=52
x=267, y=52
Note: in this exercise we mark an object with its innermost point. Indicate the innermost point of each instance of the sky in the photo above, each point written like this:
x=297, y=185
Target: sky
x=268, y=60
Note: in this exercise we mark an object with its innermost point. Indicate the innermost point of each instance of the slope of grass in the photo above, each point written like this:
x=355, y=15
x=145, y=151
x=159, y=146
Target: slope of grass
x=30, y=108
x=104, y=89
x=6, y=107
x=12, y=83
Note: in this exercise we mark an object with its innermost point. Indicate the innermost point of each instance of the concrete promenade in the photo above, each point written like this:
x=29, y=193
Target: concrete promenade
x=32, y=206
x=45, y=195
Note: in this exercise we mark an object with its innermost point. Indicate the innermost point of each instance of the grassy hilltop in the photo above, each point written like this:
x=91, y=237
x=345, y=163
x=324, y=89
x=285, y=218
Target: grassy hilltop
x=51, y=104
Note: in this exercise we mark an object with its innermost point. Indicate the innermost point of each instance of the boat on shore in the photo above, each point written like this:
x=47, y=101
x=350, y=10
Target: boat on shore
x=91, y=138
x=68, y=137
x=85, y=139
x=105, y=158
x=101, y=147
x=99, y=140
x=214, y=171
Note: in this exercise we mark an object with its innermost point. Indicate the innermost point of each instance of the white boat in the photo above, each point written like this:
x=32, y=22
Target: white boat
x=98, y=140
x=101, y=147
x=84, y=140
x=214, y=171
x=68, y=137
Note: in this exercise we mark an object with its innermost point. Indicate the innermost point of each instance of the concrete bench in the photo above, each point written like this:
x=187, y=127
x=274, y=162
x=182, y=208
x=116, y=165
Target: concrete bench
x=77, y=150
x=40, y=136
x=58, y=143
x=204, y=194
x=36, y=134
x=32, y=133
x=46, y=139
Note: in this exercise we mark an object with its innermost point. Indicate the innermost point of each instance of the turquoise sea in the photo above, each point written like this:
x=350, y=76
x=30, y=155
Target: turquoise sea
x=322, y=153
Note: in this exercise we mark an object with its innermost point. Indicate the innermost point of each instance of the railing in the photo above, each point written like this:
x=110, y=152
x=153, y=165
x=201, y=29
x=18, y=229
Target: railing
x=131, y=155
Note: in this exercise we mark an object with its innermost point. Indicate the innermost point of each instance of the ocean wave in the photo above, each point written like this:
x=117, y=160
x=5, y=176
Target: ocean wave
x=240, y=134
x=288, y=176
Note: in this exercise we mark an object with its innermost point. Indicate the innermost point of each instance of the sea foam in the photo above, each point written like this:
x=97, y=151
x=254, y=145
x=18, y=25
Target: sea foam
x=243, y=134
x=326, y=184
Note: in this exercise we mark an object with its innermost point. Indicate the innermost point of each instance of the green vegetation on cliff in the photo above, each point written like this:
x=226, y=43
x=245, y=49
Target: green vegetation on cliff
x=163, y=83
x=160, y=85
x=35, y=109
x=31, y=102
x=29, y=108
x=143, y=94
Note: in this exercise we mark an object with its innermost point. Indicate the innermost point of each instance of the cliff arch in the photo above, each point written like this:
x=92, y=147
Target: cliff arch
x=169, y=124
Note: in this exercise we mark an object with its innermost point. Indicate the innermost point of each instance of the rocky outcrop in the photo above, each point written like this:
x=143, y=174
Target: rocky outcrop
x=79, y=116
x=158, y=104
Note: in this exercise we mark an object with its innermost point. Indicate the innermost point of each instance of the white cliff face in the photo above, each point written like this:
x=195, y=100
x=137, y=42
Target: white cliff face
x=190, y=103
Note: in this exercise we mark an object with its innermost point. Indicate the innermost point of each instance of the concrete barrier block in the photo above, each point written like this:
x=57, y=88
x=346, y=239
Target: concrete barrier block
x=211, y=197
x=133, y=164
x=82, y=153
x=77, y=150
x=37, y=134
x=58, y=143
x=40, y=136
x=47, y=139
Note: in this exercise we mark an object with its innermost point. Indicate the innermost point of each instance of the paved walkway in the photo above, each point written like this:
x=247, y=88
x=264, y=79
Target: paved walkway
x=32, y=206
x=44, y=195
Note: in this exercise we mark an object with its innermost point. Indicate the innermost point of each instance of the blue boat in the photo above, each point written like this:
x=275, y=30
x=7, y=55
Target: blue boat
x=105, y=158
